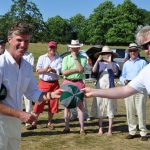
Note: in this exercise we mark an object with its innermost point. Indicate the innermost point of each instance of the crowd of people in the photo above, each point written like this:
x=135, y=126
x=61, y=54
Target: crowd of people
x=17, y=75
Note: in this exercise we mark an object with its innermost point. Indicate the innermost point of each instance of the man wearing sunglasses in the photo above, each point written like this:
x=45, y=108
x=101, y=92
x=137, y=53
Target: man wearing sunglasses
x=139, y=83
x=135, y=104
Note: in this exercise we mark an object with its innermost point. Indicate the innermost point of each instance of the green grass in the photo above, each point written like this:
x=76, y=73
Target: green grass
x=44, y=139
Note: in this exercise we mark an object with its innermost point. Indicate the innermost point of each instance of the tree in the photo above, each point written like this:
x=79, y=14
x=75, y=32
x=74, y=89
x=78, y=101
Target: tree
x=22, y=10
x=127, y=18
x=78, y=24
x=59, y=29
x=99, y=22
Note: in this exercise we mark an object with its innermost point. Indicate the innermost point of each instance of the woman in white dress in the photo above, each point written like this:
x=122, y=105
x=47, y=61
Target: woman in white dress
x=106, y=69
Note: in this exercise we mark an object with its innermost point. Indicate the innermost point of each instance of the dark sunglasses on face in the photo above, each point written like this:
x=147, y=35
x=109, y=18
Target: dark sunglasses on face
x=133, y=50
x=145, y=46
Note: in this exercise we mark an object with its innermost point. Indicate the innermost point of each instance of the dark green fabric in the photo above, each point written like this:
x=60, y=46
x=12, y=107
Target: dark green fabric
x=3, y=92
x=72, y=96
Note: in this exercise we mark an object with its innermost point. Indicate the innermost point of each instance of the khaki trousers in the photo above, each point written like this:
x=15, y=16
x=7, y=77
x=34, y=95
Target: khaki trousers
x=136, y=113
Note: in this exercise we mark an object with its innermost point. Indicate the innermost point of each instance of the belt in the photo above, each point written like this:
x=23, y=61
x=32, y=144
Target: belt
x=50, y=81
x=75, y=80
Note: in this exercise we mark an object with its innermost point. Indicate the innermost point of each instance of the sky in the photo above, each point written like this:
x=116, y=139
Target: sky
x=69, y=8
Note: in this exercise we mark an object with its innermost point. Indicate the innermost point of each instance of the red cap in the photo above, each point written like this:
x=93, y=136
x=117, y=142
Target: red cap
x=52, y=44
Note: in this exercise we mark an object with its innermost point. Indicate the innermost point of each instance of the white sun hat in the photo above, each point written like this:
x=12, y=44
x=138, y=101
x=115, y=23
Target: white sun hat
x=75, y=44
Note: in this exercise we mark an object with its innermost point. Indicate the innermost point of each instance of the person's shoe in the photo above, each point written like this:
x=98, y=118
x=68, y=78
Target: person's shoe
x=88, y=119
x=51, y=127
x=82, y=132
x=129, y=136
x=66, y=131
x=144, y=138
x=31, y=127
x=27, y=125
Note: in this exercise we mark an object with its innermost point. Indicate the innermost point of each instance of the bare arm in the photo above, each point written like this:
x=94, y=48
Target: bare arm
x=112, y=93
x=23, y=116
x=96, y=63
x=46, y=70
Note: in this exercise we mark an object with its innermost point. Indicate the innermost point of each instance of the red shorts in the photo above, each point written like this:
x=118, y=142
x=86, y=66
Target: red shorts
x=52, y=103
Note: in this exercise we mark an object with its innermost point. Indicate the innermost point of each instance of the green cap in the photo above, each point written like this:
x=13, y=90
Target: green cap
x=72, y=96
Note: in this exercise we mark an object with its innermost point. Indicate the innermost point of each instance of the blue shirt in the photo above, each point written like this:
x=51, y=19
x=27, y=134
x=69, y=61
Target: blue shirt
x=131, y=68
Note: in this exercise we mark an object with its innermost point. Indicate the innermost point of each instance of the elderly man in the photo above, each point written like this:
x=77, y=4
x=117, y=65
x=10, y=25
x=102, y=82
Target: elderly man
x=73, y=70
x=48, y=67
x=135, y=104
x=18, y=78
x=139, y=83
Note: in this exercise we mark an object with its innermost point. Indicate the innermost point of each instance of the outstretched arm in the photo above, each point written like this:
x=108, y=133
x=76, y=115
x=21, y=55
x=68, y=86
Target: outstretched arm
x=112, y=93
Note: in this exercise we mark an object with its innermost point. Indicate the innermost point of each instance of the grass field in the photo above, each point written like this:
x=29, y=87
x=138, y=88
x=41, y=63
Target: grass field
x=43, y=138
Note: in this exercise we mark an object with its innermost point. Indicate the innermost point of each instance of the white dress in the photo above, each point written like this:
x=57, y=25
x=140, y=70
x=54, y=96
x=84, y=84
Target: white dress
x=103, y=107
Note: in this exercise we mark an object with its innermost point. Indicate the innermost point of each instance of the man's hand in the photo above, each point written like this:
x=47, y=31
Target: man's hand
x=87, y=91
x=74, y=54
x=57, y=93
x=27, y=117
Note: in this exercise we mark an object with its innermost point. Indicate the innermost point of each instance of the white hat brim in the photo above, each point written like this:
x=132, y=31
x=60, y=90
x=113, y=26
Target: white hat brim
x=75, y=46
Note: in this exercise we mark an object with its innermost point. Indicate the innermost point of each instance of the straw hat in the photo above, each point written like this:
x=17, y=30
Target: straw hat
x=133, y=46
x=75, y=44
x=106, y=50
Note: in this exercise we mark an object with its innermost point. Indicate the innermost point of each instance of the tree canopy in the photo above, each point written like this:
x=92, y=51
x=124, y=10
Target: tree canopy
x=107, y=24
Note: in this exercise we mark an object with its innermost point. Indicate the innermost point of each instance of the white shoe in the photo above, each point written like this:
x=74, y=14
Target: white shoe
x=88, y=119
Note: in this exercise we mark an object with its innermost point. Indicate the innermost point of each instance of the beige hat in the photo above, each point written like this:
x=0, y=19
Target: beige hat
x=133, y=46
x=75, y=44
x=106, y=50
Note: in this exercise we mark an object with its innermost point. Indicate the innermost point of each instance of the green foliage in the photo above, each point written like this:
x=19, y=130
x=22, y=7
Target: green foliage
x=107, y=24
x=59, y=29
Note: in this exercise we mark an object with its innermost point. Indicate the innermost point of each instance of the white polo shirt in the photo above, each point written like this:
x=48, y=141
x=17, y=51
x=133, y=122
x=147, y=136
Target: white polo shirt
x=55, y=63
x=142, y=80
x=18, y=80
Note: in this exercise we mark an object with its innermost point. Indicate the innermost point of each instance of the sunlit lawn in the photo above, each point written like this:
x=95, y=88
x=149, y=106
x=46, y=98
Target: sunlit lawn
x=43, y=138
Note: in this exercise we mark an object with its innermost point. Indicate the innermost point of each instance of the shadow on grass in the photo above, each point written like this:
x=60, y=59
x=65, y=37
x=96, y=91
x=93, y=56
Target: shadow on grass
x=40, y=133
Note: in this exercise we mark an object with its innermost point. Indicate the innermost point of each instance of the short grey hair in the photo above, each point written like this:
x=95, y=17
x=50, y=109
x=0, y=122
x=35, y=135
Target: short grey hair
x=142, y=33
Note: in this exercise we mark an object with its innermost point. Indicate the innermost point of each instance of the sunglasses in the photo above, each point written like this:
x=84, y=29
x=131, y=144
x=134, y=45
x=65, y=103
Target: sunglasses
x=145, y=46
x=133, y=50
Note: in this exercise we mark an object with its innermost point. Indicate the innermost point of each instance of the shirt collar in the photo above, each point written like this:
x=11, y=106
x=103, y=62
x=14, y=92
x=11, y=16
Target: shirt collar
x=134, y=59
x=11, y=59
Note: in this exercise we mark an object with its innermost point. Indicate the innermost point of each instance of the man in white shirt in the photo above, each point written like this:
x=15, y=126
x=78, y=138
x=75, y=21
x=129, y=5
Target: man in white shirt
x=139, y=83
x=18, y=78
x=48, y=67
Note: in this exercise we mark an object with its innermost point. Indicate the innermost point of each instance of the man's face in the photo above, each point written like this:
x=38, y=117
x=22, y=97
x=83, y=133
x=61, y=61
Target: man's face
x=133, y=53
x=52, y=50
x=75, y=49
x=18, y=45
x=145, y=45
x=2, y=48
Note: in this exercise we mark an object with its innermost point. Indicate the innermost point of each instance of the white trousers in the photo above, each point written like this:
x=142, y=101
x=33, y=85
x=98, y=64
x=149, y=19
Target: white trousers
x=136, y=113
x=28, y=104
x=10, y=133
